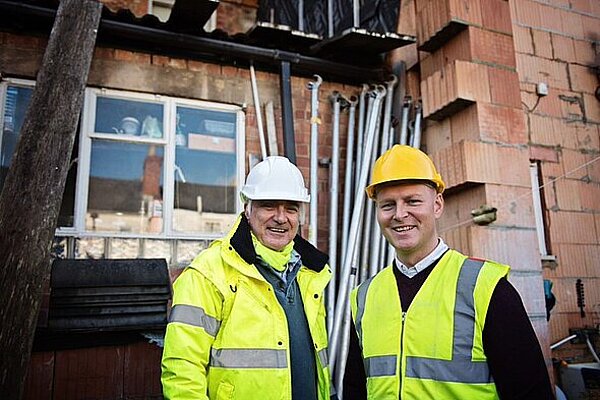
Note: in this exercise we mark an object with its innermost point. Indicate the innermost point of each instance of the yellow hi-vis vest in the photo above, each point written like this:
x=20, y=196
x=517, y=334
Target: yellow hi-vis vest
x=227, y=336
x=434, y=350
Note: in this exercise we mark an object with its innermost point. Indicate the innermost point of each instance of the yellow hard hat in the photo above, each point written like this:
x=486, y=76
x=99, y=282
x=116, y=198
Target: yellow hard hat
x=402, y=163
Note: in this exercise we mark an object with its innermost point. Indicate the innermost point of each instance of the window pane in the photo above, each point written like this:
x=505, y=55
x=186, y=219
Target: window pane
x=205, y=170
x=128, y=117
x=125, y=187
x=15, y=105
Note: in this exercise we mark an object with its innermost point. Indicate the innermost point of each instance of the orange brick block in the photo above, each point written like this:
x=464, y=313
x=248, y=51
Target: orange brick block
x=502, y=124
x=568, y=194
x=465, y=125
x=542, y=43
x=504, y=87
x=492, y=47
x=562, y=48
x=551, y=18
x=592, y=108
x=571, y=227
x=522, y=39
x=573, y=24
x=584, y=52
x=527, y=13
x=583, y=78
x=515, y=247
x=496, y=15
x=540, y=153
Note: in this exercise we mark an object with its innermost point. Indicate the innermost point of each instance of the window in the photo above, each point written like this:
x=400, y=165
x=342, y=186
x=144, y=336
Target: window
x=159, y=165
x=144, y=165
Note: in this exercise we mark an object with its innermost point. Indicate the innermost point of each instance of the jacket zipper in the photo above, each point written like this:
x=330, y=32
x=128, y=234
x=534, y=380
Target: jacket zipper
x=400, y=355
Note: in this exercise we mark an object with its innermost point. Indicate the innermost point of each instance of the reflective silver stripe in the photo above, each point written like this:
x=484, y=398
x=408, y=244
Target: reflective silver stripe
x=460, y=368
x=248, y=358
x=380, y=366
x=195, y=316
x=323, y=357
x=361, y=297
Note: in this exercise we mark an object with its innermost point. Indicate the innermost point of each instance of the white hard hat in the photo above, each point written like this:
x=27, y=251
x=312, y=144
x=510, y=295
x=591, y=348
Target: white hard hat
x=275, y=178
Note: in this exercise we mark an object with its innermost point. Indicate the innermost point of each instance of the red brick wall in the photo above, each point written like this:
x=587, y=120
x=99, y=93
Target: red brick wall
x=556, y=43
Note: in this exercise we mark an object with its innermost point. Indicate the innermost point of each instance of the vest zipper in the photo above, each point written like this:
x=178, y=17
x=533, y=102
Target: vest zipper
x=400, y=355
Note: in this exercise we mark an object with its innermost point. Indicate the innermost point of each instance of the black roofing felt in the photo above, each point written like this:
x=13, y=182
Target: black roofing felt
x=358, y=57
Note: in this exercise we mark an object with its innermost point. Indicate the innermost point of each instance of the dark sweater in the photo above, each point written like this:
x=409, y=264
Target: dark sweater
x=513, y=352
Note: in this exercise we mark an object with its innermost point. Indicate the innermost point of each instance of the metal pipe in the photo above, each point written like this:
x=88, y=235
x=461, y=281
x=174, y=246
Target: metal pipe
x=330, y=29
x=301, y=15
x=287, y=115
x=313, y=86
x=258, y=112
x=404, y=122
x=562, y=341
x=348, y=177
x=416, y=140
x=356, y=13
x=352, y=241
x=336, y=100
x=343, y=357
x=375, y=233
x=361, y=124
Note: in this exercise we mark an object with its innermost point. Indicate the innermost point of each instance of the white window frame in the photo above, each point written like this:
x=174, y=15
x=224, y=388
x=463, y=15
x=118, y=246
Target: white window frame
x=538, y=213
x=87, y=134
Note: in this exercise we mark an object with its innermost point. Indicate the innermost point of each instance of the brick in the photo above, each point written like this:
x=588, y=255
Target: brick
x=437, y=135
x=590, y=26
x=572, y=24
x=571, y=105
x=465, y=125
x=589, y=193
x=472, y=81
x=527, y=13
x=103, y=53
x=567, y=194
x=550, y=105
x=571, y=227
x=581, y=5
x=572, y=258
x=567, y=133
x=534, y=69
x=466, y=10
x=562, y=48
x=573, y=162
x=501, y=124
x=541, y=43
x=495, y=15
x=551, y=18
x=584, y=52
x=541, y=131
x=160, y=60
x=543, y=154
x=522, y=39
x=515, y=247
x=592, y=108
x=178, y=63
x=583, y=78
x=124, y=55
x=504, y=87
x=458, y=48
x=492, y=47
x=489, y=163
x=587, y=137
x=515, y=208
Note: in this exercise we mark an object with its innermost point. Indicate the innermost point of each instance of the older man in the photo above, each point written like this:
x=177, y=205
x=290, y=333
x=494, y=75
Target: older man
x=248, y=316
x=435, y=324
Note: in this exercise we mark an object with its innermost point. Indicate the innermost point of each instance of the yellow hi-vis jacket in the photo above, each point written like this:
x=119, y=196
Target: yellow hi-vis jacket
x=227, y=336
x=434, y=350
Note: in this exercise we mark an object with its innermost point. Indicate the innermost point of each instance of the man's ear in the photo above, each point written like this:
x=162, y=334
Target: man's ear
x=438, y=205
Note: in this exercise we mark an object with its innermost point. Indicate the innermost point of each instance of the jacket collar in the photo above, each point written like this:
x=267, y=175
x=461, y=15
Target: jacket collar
x=241, y=241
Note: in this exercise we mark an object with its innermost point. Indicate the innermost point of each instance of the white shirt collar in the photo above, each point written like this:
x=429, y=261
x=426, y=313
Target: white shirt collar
x=425, y=262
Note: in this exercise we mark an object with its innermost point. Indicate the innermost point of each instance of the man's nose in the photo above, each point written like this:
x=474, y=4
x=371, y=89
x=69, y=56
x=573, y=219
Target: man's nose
x=401, y=212
x=280, y=214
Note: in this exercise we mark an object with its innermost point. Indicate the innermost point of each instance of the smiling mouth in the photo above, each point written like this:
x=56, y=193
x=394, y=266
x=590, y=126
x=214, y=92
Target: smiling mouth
x=277, y=230
x=403, y=228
